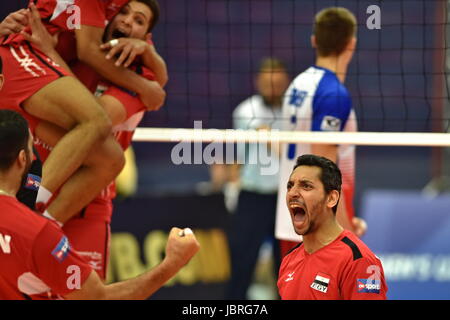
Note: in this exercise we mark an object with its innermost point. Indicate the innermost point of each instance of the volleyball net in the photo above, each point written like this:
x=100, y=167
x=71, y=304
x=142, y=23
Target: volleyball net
x=397, y=78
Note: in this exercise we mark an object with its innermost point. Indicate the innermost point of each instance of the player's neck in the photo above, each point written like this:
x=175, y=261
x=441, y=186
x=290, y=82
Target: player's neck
x=335, y=64
x=7, y=191
x=6, y=186
x=325, y=234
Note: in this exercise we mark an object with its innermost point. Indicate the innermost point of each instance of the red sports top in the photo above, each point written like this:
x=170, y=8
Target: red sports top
x=345, y=269
x=61, y=16
x=36, y=259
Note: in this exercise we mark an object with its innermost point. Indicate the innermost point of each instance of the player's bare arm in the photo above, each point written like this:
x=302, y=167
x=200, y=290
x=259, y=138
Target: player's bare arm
x=328, y=151
x=130, y=48
x=88, y=50
x=156, y=63
x=180, y=249
x=15, y=22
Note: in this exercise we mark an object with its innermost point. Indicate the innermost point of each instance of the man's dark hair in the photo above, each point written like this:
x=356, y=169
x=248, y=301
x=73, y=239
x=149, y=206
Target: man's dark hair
x=330, y=174
x=154, y=7
x=14, y=137
x=333, y=27
x=271, y=64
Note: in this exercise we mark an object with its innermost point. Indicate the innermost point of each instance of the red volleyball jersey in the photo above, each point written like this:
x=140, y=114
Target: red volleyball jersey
x=36, y=258
x=345, y=269
x=63, y=16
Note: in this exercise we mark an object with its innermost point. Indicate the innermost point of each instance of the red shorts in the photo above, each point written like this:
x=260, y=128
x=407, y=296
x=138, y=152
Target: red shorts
x=26, y=71
x=99, y=209
x=131, y=101
x=90, y=234
x=133, y=106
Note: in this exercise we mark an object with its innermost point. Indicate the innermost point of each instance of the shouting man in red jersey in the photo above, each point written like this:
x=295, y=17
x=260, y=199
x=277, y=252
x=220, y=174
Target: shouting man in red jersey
x=331, y=263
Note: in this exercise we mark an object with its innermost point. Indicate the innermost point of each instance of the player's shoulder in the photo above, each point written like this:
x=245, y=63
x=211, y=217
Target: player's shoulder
x=331, y=85
x=248, y=106
x=18, y=219
x=354, y=249
x=294, y=254
x=309, y=76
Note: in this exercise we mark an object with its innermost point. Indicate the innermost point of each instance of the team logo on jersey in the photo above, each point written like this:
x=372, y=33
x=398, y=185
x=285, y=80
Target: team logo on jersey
x=297, y=97
x=62, y=249
x=368, y=286
x=33, y=182
x=321, y=282
x=290, y=277
x=330, y=123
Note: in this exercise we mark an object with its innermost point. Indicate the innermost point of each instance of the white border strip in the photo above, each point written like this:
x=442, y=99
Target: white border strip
x=234, y=136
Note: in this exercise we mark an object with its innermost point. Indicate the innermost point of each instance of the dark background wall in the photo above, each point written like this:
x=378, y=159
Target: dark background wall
x=213, y=48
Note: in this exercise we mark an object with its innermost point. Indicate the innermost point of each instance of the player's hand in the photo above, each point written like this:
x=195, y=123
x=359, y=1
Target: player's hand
x=39, y=34
x=152, y=95
x=128, y=48
x=359, y=226
x=14, y=23
x=181, y=247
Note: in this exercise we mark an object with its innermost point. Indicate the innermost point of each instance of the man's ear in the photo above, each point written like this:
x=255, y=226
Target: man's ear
x=351, y=45
x=22, y=158
x=313, y=41
x=333, y=198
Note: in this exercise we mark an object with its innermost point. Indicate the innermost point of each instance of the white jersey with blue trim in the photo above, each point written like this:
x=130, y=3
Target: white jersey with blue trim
x=315, y=101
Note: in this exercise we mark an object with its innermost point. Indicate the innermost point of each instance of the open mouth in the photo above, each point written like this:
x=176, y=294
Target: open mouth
x=116, y=34
x=298, y=212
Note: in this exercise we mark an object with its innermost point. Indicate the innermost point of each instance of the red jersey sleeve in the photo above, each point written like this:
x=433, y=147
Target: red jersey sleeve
x=364, y=280
x=56, y=263
x=93, y=12
x=148, y=74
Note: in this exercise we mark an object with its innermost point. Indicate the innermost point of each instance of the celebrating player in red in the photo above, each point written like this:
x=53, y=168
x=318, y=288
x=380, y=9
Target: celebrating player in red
x=89, y=229
x=331, y=263
x=37, y=259
x=43, y=91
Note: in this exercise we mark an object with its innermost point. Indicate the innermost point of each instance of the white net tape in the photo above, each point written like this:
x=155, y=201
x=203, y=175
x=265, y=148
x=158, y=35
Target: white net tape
x=262, y=136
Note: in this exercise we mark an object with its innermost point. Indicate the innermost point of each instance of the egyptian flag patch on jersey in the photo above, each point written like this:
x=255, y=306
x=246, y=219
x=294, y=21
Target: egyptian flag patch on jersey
x=321, y=282
x=62, y=249
x=33, y=182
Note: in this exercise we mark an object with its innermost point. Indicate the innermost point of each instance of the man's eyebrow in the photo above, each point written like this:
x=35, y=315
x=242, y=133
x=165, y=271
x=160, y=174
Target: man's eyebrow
x=141, y=13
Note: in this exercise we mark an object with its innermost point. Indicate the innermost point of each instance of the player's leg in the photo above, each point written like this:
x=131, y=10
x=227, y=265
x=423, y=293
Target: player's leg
x=95, y=173
x=46, y=92
x=91, y=178
x=113, y=108
x=68, y=104
x=89, y=233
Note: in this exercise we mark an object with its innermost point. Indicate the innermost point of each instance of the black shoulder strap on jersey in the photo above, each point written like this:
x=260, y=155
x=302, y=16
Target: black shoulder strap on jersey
x=356, y=253
x=298, y=245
